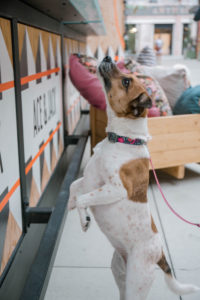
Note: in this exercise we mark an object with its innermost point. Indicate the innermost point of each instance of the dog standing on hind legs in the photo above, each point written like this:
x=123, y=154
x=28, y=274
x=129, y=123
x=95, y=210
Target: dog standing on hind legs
x=114, y=185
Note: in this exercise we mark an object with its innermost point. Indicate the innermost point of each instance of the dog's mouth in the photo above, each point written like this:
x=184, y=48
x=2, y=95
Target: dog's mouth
x=138, y=105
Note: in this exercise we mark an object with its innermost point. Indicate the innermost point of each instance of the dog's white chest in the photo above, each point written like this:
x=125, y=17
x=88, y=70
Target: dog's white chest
x=124, y=222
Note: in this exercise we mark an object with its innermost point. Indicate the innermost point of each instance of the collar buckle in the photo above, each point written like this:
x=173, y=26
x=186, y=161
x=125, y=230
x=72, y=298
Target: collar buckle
x=112, y=137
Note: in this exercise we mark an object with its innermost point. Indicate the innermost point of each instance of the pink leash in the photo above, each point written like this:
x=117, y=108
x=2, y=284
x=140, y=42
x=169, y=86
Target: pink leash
x=171, y=208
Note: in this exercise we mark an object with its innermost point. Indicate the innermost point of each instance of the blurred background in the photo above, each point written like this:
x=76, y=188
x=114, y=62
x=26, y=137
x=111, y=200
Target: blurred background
x=141, y=22
x=172, y=20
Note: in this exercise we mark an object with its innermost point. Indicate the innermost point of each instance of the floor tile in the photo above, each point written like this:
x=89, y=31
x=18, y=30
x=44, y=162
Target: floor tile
x=96, y=283
x=78, y=248
x=157, y=222
x=159, y=290
x=183, y=240
x=82, y=284
x=190, y=276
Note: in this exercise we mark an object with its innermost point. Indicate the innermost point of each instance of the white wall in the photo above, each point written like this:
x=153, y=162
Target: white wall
x=177, y=37
x=144, y=36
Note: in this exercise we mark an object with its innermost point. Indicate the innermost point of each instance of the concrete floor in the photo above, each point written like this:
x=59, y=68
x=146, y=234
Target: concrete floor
x=82, y=266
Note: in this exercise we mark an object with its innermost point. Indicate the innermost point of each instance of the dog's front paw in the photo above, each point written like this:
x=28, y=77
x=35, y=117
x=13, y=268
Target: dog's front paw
x=85, y=225
x=84, y=218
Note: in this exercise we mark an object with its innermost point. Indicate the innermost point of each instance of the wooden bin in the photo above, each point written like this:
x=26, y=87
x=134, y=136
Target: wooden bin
x=175, y=140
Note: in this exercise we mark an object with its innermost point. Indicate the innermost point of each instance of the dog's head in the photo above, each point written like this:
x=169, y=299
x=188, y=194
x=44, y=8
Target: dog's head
x=126, y=95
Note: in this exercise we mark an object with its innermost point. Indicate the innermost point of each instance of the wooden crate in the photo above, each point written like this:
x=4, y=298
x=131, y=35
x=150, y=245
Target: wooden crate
x=175, y=140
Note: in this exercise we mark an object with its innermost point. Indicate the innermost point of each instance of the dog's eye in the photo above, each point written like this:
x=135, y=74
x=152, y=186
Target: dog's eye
x=126, y=82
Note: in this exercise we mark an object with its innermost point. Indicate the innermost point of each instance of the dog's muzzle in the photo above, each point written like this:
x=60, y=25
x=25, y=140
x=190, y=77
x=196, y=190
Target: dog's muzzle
x=140, y=103
x=106, y=69
x=107, y=59
x=143, y=101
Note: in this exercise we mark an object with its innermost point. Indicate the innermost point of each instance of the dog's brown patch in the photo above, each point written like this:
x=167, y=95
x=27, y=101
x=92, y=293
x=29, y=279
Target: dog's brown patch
x=135, y=178
x=153, y=226
x=163, y=264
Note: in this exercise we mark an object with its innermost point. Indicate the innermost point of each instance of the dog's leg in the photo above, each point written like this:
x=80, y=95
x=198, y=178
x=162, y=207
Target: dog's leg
x=118, y=267
x=81, y=186
x=91, y=180
x=139, y=275
x=76, y=188
x=106, y=194
x=103, y=195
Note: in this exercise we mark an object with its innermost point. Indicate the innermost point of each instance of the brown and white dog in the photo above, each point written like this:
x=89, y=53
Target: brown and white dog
x=114, y=186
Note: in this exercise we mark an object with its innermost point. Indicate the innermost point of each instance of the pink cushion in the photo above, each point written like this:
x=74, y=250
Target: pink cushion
x=153, y=112
x=86, y=83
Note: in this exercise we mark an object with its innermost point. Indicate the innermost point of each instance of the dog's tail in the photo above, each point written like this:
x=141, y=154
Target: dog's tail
x=175, y=286
x=180, y=288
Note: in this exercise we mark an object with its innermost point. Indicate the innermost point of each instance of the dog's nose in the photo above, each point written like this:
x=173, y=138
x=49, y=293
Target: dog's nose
x=107, y=59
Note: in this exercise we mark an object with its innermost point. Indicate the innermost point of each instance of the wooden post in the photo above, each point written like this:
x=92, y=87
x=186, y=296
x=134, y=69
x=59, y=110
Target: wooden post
x=177, y=172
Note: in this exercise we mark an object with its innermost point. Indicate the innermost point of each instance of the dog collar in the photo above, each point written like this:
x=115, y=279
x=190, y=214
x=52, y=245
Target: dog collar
x=114, y=138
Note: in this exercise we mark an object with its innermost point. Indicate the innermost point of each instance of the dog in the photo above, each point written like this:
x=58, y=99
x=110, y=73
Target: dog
x=114, y=185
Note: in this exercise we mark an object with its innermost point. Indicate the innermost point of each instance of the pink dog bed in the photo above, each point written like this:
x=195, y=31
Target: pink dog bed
x=86, y=83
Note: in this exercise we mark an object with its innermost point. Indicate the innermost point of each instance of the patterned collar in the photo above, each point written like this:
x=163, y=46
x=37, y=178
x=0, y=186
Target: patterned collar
x=114, y=138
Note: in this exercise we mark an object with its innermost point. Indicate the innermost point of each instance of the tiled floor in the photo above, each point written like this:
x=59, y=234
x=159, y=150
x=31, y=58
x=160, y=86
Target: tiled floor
x=82, y=266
